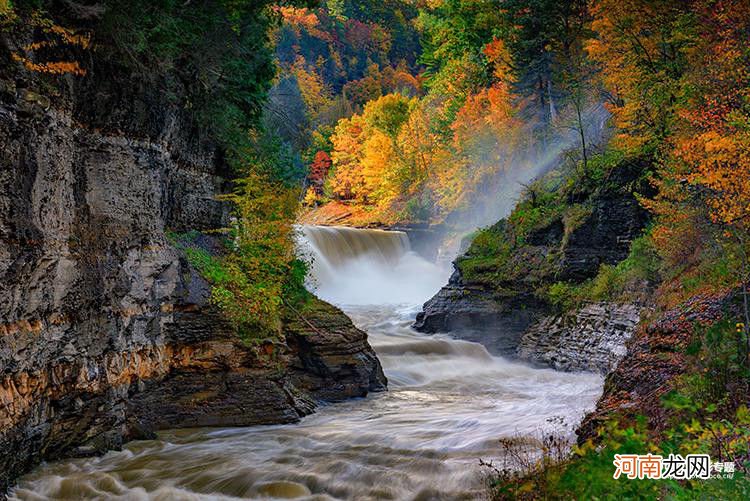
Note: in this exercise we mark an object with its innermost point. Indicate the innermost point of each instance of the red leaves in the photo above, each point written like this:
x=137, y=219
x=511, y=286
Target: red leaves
x=319, y=168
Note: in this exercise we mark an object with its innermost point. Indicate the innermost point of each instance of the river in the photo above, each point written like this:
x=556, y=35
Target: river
x=449, y=401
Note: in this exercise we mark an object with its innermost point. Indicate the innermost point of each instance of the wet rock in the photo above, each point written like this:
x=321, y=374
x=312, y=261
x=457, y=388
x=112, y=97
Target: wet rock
x=590, y=339
x=476, y=314
x=333, y=359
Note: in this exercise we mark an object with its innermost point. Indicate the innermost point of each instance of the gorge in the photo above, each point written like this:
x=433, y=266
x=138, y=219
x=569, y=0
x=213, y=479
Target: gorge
x=374, y=249
x=448, y=402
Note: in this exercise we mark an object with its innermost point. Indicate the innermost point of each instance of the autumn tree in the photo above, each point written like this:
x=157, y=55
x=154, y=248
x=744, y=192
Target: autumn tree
x=319, y=168
x=640, y=47
x=366, y=152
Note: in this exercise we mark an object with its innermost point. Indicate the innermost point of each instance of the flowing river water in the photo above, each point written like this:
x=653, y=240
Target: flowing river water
x=448, y=403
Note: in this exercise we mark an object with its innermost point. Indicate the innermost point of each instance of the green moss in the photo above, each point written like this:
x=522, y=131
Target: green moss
x=629, y=280
x=573, y=218
x=487, y=255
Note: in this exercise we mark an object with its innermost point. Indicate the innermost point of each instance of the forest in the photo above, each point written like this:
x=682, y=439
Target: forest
x=495, y=121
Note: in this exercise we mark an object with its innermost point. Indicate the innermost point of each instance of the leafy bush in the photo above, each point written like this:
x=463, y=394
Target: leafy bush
x=563, y=296
x=587, y=473
x=258, y=274
x=488, y=251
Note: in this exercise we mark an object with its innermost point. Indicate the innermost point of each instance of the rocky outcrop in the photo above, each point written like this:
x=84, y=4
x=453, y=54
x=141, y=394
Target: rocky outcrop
x=503, y=295
x=590, y=339
x=105, y=330
x=656, y=355
x=604, y=237
x=222, y=382
x=476, y=313
x=333, y=358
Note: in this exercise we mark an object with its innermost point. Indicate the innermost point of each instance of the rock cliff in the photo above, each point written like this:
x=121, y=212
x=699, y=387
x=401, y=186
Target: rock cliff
x=497, y=291
x=591, y=339
x=105, y=329
x=656, y=354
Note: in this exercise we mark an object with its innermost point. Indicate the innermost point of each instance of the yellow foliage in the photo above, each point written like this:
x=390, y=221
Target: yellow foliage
x=722, y=164
x=51, y=68
x=311, y=197
x=629, y=47
x=366, y=153
x=315, y=94
x=378, y=158
x=347, y=181
x=391, y=159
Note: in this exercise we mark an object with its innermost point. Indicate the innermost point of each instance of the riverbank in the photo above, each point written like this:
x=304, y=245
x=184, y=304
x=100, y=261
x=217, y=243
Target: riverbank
x=679, y=391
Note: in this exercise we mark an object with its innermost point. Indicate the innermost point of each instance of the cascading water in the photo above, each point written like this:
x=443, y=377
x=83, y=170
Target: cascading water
x=448, y=403
x=355, y=267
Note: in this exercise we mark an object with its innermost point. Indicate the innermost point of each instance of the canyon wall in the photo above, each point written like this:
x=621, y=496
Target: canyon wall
x=106, y=333
x=592, y=338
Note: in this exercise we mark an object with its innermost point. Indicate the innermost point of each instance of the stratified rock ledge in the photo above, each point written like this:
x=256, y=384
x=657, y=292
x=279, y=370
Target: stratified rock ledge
x=590, y=339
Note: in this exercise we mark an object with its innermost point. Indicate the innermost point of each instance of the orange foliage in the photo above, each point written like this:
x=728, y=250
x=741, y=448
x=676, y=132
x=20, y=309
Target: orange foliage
x=497, y=53
x=51, y=68
x=57, y=36
x=487, y=108
x=683, y=85
x=635, y=56
x=303, y=18
x=714, y=146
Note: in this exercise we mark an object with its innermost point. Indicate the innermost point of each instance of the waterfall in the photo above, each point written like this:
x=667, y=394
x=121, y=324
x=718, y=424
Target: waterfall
x=367, y=266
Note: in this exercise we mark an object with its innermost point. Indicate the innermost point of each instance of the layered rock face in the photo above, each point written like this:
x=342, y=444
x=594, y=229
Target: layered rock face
x=105, y=330
x=656, y=356
x=590, y=339
x=476, y=313
x=498, y=303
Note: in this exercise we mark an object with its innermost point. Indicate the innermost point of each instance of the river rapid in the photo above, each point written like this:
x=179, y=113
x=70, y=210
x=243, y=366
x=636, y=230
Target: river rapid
x=449, y=401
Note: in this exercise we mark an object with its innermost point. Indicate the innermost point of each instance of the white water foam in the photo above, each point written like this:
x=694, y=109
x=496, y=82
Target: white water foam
x=368, y=266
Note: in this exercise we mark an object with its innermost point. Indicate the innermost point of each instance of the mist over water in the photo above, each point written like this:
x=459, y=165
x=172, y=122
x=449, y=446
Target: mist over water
x=517, y=165
x=449, y=401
